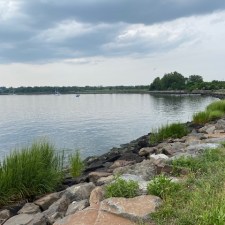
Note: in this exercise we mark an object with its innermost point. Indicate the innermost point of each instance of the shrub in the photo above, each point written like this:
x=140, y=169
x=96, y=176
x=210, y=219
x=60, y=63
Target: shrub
x=32, y=171
x=122, y=188
x=174, y=130
x=162, y=186
x=213, y=115
x=76, y=164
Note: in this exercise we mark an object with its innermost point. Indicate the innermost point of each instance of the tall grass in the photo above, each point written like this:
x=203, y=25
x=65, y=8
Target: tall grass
x=213, y=111
x=201, y=199
x=174, y=130
x=76, y=164
x=32, y=171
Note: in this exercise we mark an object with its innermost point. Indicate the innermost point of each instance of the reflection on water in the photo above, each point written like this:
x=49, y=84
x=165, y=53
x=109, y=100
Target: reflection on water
x=92, y=123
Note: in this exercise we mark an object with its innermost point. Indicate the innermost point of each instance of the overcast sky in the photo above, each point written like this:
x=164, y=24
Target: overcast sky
x=109, y=42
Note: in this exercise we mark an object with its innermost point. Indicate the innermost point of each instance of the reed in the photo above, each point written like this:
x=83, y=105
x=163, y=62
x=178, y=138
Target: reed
x=30, y=172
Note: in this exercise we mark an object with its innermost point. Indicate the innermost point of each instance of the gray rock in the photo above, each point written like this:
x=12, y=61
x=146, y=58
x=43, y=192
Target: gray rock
x=215, y=140
x=220, y=124
x=58, y=209
x=200, y=147
x=4, y=215
x=27, y=219
x=147, y=150
x=104, y=180
x=77, y=206
x=159, y=156
x=81, y=191
x=29, y=208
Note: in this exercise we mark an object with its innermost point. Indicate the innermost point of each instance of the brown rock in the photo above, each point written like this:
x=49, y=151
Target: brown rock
x=135, y=209
x=146, y=151
x=104, y=180
x=77, y=206
x=47, y=200
x=121, y=163
x=96, y=196
x=30, y=208
x=94, y=176
x=94, y=216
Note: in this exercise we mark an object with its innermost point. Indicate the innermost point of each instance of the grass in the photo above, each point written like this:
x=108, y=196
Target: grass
x=213, y=111
x=174, y=130
x=122, y=188
x=76, y=164
x=201, y=198
x=32, y=171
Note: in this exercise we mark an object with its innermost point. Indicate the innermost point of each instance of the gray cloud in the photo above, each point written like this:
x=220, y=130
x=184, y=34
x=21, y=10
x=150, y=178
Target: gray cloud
x=48, y=30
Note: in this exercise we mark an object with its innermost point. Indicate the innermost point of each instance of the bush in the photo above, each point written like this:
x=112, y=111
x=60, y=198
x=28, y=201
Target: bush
x=122, y=188
x=76, y=164
x=162, y=186
x=32, y=171
x=174, y=130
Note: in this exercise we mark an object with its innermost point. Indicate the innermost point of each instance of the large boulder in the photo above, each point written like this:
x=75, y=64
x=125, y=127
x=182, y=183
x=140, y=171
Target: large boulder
x=81, y=191
x=29, y=208
x=4, y=215
x=77, y=206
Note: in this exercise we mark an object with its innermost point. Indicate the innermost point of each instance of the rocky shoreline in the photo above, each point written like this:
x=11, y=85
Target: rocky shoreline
x=81, y=201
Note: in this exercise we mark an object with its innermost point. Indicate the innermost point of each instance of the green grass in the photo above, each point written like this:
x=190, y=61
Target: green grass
x=29, y=172
x=174, y=130
x=213, y=111
x=121, y=188
x=162, y=186
x=201, y=198
x=76, y=164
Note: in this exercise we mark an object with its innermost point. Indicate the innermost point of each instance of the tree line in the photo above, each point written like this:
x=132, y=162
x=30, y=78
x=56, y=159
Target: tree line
x=176, y=81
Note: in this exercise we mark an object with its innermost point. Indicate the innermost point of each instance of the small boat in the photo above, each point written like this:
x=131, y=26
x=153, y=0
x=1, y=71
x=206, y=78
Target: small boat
x=77, y=95
x=57, y=92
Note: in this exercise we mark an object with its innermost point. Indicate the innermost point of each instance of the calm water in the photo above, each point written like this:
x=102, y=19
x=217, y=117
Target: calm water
x=91, y=123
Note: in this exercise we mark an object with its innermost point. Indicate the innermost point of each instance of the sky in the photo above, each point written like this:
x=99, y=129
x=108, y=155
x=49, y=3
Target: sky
x=109, y=42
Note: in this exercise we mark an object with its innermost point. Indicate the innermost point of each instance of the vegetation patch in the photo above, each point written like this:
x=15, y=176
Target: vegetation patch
x=76, y=164
x=213, y=111
x=200, y=199
x=122, y=188
x=174, y=130
x=32, y=171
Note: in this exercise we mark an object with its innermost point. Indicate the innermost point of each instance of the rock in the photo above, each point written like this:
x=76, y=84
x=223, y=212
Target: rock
x=4, y=215
x=220, y=124
x=97, y=195
x=29, y=208
x=94, y=176
x=163, y=168
x=219, y=131
x=146, y=151
x=47, y=200
x=27, y=219
x=200, y=147
x=121, y=163
x=210, y=130
x=159, y=156
x=94, y=216
x=81, y=191
x=129, y=156
x=135, y=209
x=77, y=206
x=145, y=170
x=58, y=209
x=104, y=180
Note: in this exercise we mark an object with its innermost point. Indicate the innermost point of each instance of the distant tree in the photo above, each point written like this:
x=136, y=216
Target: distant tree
x=156, y=84
x=173, y=81
x=195, y=79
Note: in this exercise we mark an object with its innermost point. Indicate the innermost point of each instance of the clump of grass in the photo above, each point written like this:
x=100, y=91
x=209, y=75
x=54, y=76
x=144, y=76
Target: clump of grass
x=174, y=130
x=122, y=188
x=201, y=117
x=217, y=106
x=32, y=171
x=76, y=164
x=201, y=200
x=162, y=186
x=213, y=111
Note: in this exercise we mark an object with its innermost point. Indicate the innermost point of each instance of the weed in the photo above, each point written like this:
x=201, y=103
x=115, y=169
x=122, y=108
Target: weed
x=76, y=164
x=122, y=188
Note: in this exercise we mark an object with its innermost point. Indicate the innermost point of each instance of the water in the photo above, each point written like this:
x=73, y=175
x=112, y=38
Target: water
x=91, y=123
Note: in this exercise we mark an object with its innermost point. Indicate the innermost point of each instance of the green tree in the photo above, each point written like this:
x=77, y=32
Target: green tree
x=156, y=84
